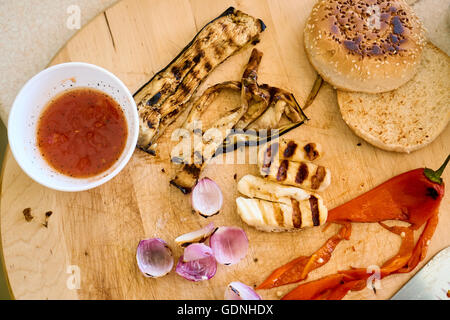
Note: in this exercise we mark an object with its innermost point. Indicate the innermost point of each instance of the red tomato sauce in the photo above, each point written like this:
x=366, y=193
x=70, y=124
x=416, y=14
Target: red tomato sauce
x=82, y=132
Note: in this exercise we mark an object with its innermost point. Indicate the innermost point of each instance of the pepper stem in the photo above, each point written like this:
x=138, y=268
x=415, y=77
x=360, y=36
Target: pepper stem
x=435, y=176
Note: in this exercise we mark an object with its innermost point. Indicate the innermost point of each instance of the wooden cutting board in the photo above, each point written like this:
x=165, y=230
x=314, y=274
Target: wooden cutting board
x=88, y=249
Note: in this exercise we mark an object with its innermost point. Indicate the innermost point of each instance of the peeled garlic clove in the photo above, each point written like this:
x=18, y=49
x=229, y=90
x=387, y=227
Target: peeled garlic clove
x=154, y=257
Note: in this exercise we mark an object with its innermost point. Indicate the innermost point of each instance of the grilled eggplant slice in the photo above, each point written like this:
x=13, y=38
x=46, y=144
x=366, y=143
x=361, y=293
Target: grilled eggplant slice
x=280, y=102
x=165, y=96
x=274, y=207
x=256, y=98
x=186, y=177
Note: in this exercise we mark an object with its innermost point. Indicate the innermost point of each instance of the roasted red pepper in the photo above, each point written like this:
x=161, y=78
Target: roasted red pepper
x=413, y=196
x=298, y=269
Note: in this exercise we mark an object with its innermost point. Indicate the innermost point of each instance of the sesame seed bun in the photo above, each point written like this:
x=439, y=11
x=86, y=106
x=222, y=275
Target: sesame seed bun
x=364, y=45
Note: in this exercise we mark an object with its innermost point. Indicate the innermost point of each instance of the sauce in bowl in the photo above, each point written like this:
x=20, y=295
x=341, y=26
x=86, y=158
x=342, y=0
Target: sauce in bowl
x=82, y=132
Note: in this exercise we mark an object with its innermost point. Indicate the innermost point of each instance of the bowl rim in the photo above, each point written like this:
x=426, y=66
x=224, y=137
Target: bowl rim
x=133, y=122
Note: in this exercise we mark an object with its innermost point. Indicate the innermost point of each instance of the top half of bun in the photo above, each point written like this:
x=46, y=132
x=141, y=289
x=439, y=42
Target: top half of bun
x=364, y=45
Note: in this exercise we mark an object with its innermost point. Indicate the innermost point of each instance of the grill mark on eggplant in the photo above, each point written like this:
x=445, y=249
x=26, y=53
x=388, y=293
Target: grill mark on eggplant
x=153, y=100
x=302, y=173
x=197, y=58
x=318, y=177
x=296, y=214
x=176, y=72
x=150, y=124
x=311, y=151
x=290, y=149
x=218, y=50
x=208, y=66
x=190, y=59
x=314, y=204
x=282, y=170
x=187, y=64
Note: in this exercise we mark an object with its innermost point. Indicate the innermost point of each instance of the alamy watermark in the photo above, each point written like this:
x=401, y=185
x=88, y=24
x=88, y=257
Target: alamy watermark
x=73, y=21
x=73, y=282
x=374, y=280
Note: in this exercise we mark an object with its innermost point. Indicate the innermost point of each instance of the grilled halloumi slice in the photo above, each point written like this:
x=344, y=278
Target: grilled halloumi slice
x=256, y=187
x=289, y=150
x=305, y=175
x=274, y=207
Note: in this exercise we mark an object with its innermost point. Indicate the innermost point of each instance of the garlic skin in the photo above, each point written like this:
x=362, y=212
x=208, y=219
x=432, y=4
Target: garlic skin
x=197, y=263
x=239, y=291
x=229, y=245
x=207, y=198
x=154, y=257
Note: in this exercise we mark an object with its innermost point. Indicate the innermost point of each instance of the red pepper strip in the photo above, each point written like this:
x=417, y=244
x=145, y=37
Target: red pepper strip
x=421, y=248
x=340, y=292
x=298, y=269
x=354, y=279
x=312, y=289
x=327, y=250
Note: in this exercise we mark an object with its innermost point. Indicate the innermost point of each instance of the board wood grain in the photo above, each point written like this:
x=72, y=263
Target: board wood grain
x=87, y=251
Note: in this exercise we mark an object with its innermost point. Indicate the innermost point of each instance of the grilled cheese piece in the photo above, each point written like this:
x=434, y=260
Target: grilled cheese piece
x=289, y=150
x=274, y=207
x=303, y=174
x=256, y=187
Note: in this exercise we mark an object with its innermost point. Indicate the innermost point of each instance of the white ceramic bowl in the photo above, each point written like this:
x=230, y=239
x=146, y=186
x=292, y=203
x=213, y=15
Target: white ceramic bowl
x=34, y=96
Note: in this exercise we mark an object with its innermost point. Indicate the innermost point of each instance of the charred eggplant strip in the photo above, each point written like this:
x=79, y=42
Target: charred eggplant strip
x=281, y=102
x=252, y=138
x=164, y=97
x=258, y=99
x=186, y=177
x=269, y=120
x=314, y=92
